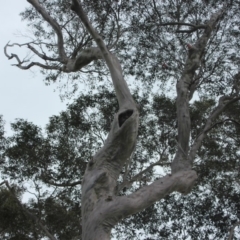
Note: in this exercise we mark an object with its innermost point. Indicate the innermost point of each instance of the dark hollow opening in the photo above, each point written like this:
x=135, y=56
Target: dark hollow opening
x=124, y=116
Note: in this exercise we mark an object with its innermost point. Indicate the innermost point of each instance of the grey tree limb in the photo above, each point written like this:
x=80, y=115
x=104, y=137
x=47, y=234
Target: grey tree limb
x=181, y=182
x=122, y=91
x=53, y=23
x=181, y=162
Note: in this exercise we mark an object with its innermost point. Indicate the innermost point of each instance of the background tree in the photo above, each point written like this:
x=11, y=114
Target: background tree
x=190, y=45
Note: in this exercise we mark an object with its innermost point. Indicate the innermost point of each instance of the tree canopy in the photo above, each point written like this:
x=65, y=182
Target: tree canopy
x=180, y=61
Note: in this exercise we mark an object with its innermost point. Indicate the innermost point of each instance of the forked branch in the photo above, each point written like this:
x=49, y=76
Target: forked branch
x=71, y=62
x=53, y=23
x=21, y=63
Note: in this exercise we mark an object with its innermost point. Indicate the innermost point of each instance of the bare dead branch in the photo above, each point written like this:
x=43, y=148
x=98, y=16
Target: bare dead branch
x=21, y=62
x=12, y=55
x=85, y=57
x=19, y=44
x=48, y=67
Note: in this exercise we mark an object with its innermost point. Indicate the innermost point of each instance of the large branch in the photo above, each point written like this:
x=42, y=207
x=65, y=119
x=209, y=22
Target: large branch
x=53, y=23
x=122, y=207
x=84, y=57
x=223, y=103
x=123, y=94
x=193, y=62
x=122, y=137
x=29, y=214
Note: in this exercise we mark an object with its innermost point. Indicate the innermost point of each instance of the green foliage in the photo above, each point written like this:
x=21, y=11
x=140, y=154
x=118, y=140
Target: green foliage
x=54, y=156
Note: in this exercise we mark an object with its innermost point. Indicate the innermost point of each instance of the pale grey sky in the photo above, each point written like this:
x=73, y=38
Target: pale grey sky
x=22, y=93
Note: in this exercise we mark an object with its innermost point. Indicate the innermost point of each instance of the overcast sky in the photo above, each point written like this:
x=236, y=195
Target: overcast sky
x=23, y=94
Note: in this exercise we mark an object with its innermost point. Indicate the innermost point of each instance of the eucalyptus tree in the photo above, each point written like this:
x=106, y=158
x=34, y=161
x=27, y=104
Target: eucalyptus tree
x=182, y=43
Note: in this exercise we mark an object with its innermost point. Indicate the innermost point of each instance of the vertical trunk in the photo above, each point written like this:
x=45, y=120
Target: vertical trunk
x=100, y=179
x=102, y=173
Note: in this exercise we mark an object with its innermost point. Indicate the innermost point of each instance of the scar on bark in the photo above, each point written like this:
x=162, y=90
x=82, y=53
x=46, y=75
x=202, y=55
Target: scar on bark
x=124, y=116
